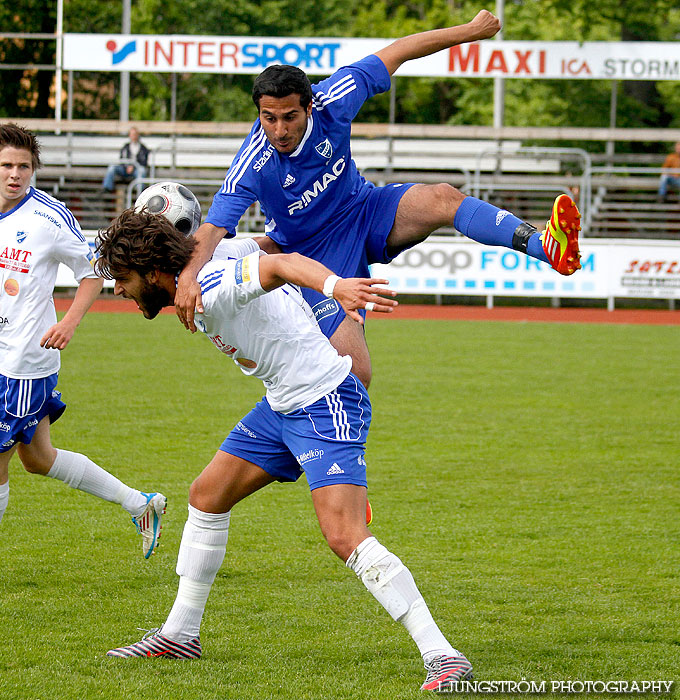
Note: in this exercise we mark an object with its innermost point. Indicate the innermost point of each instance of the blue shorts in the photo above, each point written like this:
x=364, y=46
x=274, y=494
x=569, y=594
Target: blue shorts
x=24, y=403
x=325, y=440
x=350, y=246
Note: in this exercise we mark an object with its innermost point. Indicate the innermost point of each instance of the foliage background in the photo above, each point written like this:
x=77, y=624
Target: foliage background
x=419, y=100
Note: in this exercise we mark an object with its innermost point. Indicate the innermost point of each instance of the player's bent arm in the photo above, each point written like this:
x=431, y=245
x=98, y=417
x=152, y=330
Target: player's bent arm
x=483, y=26
x=188, y=295
x=59, y=335
x=352, y=293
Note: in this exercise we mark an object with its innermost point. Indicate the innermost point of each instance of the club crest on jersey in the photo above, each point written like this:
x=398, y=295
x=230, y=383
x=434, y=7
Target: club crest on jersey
x=324, y=149
x=21, y=236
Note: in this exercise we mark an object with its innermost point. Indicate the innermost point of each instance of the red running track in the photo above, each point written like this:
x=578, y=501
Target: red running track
x=464, y=313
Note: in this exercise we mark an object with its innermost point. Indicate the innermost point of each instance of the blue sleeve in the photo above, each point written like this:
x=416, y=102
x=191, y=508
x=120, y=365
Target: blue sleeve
x=238, y=191
x=350, y=86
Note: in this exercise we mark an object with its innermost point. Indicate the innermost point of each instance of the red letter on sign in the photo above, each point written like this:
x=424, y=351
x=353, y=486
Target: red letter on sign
x=497, y=62
x=228, y=50
x=456, y=56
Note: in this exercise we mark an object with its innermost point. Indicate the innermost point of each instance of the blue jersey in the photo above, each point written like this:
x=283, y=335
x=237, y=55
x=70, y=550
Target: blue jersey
x=314, y=199
x=309, y=192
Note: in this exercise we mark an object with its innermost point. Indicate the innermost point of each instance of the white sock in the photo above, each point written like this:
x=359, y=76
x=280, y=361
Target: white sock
x=4, y=498
x=201, y=553
x=392, y=584
x=80, y=472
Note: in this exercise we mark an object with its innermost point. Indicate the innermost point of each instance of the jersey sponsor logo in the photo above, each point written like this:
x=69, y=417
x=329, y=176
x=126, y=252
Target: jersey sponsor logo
x=3, y=320
x=324, y=309
x=217, y=341
x=324, y=149
x=309, y=456
x=45, y=215
x=12, y=287
x=259, y=163
x=242, y=272
x=288, y=181
x=15, y=259
x=318, y=187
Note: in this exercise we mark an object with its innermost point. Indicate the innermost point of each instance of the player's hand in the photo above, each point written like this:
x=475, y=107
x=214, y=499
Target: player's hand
x=355, y=293
x=484, y=25
x=58, y=336
x=188, y=300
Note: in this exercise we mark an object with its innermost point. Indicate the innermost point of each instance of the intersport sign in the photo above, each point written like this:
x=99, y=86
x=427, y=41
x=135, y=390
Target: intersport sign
x=322, y=56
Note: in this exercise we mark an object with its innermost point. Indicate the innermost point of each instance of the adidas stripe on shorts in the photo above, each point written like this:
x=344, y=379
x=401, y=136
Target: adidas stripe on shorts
x=325, y=440
x=24, y=403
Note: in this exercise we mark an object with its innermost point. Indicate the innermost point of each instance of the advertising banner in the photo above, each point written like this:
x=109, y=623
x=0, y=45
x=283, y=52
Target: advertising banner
x=321, y=56
x=443, y=265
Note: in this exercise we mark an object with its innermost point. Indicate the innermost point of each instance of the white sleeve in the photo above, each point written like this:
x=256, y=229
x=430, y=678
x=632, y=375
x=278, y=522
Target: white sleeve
x=235, y=248
x=226, y=288
x=74, y=252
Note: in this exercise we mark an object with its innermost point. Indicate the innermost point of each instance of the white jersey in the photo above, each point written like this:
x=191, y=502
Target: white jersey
x=269, y=335
x=35, y=236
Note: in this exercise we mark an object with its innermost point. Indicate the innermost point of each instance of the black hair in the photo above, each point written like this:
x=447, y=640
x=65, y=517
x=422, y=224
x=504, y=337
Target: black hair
x=281, y=81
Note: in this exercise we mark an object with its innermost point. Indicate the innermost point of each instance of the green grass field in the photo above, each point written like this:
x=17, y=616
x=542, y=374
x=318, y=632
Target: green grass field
x=526, y=473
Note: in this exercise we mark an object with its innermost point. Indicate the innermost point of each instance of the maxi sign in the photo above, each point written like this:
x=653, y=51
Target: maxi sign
x=443, y=265
x=321, y=56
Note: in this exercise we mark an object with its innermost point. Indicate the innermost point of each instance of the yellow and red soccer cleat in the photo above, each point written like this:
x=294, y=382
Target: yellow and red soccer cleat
x=560, y=238
x=369, y=513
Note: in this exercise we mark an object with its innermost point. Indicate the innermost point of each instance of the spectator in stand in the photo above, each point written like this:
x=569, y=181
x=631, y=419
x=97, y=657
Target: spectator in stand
x=134, y=156
x=670, y=178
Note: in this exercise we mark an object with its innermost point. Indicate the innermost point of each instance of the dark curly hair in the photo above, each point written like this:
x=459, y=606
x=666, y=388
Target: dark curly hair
x=16, y=136
x=141, y=242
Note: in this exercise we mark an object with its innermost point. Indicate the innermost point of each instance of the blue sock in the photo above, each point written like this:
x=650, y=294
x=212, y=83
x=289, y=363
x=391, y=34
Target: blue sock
x=484, y=223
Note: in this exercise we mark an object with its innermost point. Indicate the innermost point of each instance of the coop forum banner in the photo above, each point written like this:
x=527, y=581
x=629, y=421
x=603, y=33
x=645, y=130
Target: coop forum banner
x=444, y=265
x=322, y=56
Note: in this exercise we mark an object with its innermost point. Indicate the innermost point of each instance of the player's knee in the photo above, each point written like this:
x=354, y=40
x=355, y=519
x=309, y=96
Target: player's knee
x=343, y=543
x=34, y=463
x=199, y=495
x=447, y=198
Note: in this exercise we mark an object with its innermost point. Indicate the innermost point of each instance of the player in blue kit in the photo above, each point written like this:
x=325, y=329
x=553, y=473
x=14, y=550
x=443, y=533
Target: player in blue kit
x=297, y=163
x=314, y=419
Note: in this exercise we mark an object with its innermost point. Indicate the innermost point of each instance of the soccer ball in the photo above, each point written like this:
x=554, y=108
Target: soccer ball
x=175, y=202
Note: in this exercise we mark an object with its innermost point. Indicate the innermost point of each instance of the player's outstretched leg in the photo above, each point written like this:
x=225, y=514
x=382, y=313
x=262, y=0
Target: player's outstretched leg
x=557, y=245
x=153, y=643
x=560, y=238
x=148, y=522
x=392, y=584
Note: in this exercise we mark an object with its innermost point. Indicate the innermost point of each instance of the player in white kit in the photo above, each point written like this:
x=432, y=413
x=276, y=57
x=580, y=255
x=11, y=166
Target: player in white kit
x=314, y=419
x=37, y=233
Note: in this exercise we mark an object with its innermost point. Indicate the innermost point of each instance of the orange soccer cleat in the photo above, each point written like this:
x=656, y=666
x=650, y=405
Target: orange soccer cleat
x=560, y=238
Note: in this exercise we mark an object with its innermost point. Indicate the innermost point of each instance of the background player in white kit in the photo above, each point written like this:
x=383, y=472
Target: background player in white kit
x=314, y=418
x=37, y=233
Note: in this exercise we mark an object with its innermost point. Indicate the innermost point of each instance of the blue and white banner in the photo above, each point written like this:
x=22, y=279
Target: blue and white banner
x=458, y=266
x=602, y=60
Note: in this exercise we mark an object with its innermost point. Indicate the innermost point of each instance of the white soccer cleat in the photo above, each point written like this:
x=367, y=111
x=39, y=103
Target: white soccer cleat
x=443, y=672
x=153, y=643
x=148, y=522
